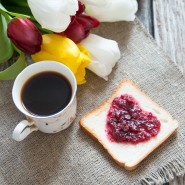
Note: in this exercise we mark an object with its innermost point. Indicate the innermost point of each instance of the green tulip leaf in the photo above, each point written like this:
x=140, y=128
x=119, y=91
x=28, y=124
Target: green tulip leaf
x=11, y=72
x=6, y=49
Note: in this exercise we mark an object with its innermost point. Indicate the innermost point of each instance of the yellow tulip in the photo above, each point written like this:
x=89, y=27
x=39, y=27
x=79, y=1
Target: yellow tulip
x=61, y=49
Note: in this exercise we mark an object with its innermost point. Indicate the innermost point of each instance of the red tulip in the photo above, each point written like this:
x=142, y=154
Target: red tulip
x=80, y=25
x=25, y=35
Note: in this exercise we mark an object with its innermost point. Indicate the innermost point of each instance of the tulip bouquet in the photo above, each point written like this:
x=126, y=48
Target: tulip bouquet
x=59, y=30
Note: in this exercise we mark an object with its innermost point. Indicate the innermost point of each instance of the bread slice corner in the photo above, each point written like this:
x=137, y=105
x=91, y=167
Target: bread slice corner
x=128, y=155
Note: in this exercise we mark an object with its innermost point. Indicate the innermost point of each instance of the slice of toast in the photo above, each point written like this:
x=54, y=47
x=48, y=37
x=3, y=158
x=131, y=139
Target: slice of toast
x=125, y=154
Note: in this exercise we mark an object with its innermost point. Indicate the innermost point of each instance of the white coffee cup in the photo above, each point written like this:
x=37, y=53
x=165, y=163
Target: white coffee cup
x=48, y=124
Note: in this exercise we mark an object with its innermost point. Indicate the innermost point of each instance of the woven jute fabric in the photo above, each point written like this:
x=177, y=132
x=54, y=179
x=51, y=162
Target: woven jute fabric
x=71, y=157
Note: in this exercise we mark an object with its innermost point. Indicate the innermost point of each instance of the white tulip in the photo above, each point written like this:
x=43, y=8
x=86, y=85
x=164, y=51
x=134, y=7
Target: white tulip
x=95, y=2
x=104, y=54
x=115, y=10
x=53, y=15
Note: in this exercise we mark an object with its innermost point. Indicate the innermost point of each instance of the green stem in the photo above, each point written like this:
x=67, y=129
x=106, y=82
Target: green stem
x=21, y=15
x=4, y=13
x=43, y=30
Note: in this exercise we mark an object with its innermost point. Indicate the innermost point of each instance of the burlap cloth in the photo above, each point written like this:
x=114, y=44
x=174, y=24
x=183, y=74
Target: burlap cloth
x=71, y=157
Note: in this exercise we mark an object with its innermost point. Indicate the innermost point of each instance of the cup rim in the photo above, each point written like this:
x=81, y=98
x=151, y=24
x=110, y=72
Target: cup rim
x=27, y=113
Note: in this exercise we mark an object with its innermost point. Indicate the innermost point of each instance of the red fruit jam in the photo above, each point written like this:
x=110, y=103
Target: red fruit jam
x=128, y=123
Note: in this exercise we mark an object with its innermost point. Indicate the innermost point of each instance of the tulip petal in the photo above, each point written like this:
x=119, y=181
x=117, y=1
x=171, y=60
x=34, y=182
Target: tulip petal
x=85, y=59
x=71, y=7
x=116, y=10
x=53, y=15
x=104, y=54
x=75, y=32
x=88, y=22
x=81, y=8
x=95, y=2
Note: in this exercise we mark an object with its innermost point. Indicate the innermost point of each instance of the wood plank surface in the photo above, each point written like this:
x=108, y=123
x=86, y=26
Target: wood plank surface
x=169, y=32
x=145, y=14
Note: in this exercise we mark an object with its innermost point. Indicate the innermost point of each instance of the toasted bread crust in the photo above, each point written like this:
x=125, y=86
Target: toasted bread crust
x=108, y=101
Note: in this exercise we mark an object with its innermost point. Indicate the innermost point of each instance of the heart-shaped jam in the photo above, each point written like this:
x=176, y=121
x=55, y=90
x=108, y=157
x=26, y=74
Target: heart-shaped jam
x=128, y=123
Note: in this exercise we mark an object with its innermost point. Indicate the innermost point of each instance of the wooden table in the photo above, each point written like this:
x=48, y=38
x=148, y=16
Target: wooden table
x=165, y=21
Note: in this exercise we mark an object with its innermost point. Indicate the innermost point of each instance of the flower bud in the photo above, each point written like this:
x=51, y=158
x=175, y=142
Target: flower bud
x=59, y=48
x=80, y=27
x=104, y=54
x=25, y=35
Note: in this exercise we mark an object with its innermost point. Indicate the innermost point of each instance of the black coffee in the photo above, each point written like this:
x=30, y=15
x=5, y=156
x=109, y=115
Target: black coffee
x=46, y=93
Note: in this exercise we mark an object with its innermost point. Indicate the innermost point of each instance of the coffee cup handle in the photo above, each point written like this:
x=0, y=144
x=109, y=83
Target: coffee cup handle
x=23, y=129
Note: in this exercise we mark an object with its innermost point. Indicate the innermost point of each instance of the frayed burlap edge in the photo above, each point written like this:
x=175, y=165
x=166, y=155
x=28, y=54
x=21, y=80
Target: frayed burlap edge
x=166, y=173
